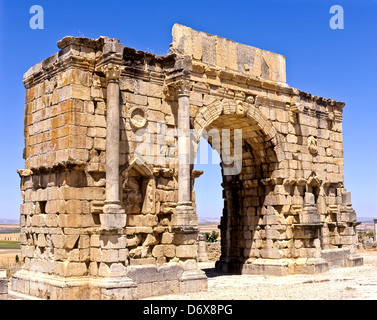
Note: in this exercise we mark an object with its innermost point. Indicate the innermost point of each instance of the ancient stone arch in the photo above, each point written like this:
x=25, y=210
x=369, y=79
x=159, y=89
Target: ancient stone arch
x=260, y=150
x=241, y=109
x=108, y=209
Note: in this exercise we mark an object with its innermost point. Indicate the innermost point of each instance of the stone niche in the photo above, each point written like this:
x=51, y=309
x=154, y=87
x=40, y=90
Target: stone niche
x=108, y=209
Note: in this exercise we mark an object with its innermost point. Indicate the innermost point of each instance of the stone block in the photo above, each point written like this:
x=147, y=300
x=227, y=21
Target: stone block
x=113, y=241
x=184, y=239
x=142, y=261
x=148, y=220
x=158, y=251
x=144, y=290
x=169, y=251
x=95, y=240
x=150, y=240
x=167, y=238
x=69, y=241
x=95, y=254
x=271, y=253
x=136, y=99
x=110, y=255
x=76, y=269
x=99, y=143
x=112, y=269
x=143, y=274
x=99, y=121
x=186, y=251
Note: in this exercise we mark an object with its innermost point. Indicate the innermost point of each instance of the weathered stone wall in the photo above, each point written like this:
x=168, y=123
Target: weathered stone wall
x=62, y=181
x=214, y=251
x=226, y=54
x=149, y=192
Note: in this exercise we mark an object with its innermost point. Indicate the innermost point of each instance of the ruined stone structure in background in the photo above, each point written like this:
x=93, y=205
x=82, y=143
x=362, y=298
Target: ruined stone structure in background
x=3, y=285
x=103, y=217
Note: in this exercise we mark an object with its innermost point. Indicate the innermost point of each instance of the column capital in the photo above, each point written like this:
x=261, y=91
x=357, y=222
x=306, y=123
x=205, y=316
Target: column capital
x=112, y=71
x=183, y=86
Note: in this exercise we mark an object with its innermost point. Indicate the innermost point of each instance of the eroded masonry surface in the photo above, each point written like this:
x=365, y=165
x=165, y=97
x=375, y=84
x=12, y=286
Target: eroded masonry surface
x=108, y=209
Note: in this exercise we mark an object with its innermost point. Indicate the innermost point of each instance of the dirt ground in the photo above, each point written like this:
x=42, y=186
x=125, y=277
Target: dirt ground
x=8, y=256
x=358, y=283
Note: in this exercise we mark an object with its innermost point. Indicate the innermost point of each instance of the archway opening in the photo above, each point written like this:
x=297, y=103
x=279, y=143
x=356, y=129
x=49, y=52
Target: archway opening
x=208, y=199
x=248, y=161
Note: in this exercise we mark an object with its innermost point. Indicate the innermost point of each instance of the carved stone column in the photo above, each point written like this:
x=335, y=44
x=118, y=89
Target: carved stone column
x=113, y=216
x=184, y=176
x=185, y=215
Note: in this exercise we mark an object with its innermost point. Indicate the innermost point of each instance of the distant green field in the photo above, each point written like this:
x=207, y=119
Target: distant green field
x=15, y=230
x=9, y=245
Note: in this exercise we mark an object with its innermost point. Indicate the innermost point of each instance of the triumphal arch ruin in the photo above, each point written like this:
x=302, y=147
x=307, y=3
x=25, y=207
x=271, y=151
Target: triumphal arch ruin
x=108, y=209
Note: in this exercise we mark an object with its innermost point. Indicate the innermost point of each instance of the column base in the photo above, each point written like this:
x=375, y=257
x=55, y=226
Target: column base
x=113, y=217
x=193, y=281
x=184, y=215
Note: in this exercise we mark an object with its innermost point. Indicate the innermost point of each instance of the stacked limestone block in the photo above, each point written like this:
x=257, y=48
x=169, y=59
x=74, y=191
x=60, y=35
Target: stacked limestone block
x=149, y=189
x=63, y=184
x=64, y=126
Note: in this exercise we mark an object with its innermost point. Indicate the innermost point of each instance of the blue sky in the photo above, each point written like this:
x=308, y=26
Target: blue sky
x=338, y=64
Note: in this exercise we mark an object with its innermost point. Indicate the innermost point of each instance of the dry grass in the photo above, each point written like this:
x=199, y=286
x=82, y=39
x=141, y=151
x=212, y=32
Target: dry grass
x=8, y=260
